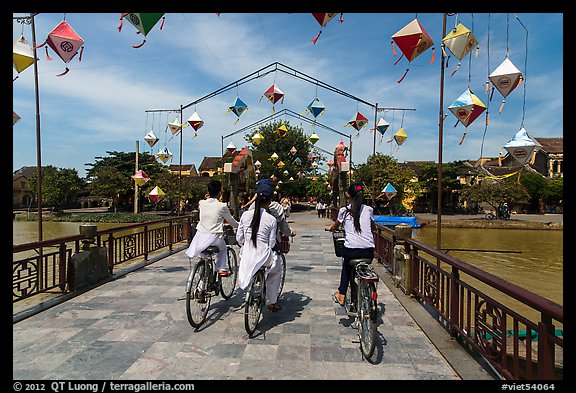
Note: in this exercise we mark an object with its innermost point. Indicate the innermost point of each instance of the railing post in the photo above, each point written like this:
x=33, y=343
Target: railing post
x=454, y=302
x=111, y=253
x=62, y=267
x=145, y=242
x=546, y=348
x=170, y=236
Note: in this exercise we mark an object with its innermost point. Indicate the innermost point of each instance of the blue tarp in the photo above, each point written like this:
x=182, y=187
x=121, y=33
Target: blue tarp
x=395, y=220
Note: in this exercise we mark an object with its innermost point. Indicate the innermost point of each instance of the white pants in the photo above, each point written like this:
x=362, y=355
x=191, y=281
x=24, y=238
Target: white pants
x=202, y=240
x=273, y=277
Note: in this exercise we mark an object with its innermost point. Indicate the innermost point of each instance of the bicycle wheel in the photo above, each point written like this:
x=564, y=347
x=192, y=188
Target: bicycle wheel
x=197, y=297
x=228, y=283
x=255, y=300
x=283, y=278
x=367, y=318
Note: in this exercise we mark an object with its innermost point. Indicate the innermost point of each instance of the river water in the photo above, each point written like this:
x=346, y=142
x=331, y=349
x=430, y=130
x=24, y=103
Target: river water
x=538, y=268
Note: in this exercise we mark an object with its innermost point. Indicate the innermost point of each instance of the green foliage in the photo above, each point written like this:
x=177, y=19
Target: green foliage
x=59, y=186
x=495, y=193
x=109, y=217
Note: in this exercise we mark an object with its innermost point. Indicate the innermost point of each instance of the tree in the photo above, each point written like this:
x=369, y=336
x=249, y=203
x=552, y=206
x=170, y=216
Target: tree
x=59, y=186
x=111, y=177
x=386, y=170
x=495, y=193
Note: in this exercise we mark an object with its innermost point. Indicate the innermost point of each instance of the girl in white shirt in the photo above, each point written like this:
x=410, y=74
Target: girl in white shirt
x=210, y=228
x=358, y=222
x=257, y=235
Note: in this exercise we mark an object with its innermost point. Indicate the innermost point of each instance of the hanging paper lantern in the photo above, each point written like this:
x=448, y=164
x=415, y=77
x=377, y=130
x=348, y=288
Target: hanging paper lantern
x=322, y=18
x=389, y=191
x=274, y=156
x=195, y=121
x=412, y=40
x=274, y=94
x=175, y=126
x=314, y=165
x=140, y=177
x=164, y=154
x=467, y=107
x=22, y=54
x=285, y=173
x=280, y=164
x=257, y=164
x=522, y=147
x=151, y=138
x=358, y=121
x=282, y=131
x=311, y=155
x=330, y=163
x=460, y=41
x=315, y=107
x=257, y=138
x=297, y=160
x=144, y=22
x=314, y=138
x=400, y=136
x=382, y=126
x=505, y=78
x=156, y=195
x=15, y=118
x=341, y=147
x=238, y=107
x=65, y=42
x=293, y=150
x=231, y=148
x=291, y=178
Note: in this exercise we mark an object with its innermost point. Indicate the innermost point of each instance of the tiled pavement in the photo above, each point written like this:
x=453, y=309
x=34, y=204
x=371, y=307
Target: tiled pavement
x=135, y=328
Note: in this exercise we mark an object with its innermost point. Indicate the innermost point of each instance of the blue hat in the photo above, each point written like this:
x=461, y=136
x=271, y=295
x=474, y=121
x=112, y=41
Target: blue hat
x=265, y=189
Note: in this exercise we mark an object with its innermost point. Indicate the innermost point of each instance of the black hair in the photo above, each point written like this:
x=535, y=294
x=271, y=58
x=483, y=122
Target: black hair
x=214, y=188
x=255, y=224
x=356, y=200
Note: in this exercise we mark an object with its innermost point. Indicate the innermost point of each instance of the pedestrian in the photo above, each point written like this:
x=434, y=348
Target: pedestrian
x=357, y=220
x=318, y=208
x=256, y=234
x=210, y=227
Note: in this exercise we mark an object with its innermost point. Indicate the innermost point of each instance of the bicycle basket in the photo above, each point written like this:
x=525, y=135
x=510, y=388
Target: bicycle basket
x=284, y=244
x=229, y=236
x=338, y=238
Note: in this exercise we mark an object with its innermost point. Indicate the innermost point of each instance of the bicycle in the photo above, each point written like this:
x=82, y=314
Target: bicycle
x=204, y=282
x=254, y=301
x=361, y=300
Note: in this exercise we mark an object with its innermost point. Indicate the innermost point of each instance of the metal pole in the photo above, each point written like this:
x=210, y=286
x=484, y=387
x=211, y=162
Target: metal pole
x=350, y=160
x=136, y=184
x=374, y=158
x=180, y=168
x=440, y=142
x=38, y=143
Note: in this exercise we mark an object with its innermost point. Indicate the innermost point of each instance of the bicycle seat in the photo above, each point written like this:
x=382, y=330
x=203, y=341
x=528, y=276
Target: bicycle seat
x=354, y=262
x=211, y=250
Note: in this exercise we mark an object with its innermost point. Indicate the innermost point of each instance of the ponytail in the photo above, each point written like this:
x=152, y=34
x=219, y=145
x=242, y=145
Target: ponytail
x=356, y=201
x=255, y=224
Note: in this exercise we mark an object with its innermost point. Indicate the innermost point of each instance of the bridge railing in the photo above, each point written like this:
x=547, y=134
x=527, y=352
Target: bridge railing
x=43, y=267
x=478, y=309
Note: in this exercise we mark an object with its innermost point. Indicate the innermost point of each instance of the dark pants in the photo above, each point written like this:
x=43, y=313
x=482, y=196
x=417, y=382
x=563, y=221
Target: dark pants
x=347, y=255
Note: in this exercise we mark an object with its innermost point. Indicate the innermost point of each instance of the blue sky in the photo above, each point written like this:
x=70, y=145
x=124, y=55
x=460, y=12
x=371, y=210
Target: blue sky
x=101, y=104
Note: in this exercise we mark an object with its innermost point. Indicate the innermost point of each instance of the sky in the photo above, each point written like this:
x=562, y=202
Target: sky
x=116, y=94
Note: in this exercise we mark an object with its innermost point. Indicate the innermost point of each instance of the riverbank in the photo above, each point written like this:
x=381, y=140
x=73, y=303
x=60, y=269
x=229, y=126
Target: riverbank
x=516, y=221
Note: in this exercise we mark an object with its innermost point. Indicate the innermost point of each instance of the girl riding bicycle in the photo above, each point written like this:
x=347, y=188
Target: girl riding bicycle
x=210, y=228
x=257, y=236
x=358, y=222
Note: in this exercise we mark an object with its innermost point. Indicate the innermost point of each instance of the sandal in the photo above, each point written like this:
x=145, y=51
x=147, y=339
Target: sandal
x=274, y=307
x=338, y=298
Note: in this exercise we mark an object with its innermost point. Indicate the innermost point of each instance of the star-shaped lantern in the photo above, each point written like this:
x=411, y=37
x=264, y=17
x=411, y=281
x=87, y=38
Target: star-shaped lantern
x=175, y=126
x=460, y=41
x=143, y=21
x=238, y=107
x=257, y=138
x=315, y=107
x=140, y=177
x=322, y=18
x=257, y=164
x=273, y=94
x=195, y=121
x=65, y=42
x=389, y=191
x=231, y=148
x=358, y=121
x=382, y=126
x=164, y=154
x=314, y=138
x=467, y=107
x=151, y=138
x=15, y=118
x=280, y=164
x=293, y=150
x=400, y=136
x=522, y=147
x=282, y=131
x=505, y=78
x=156, y=195
x=412, y=40
x=274, y=156
x=22, y=54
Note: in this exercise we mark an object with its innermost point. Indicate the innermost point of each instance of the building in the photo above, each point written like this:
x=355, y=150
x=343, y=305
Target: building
x=185, y=169
x=549, y=160
x=22, y=194
x=210, y=166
